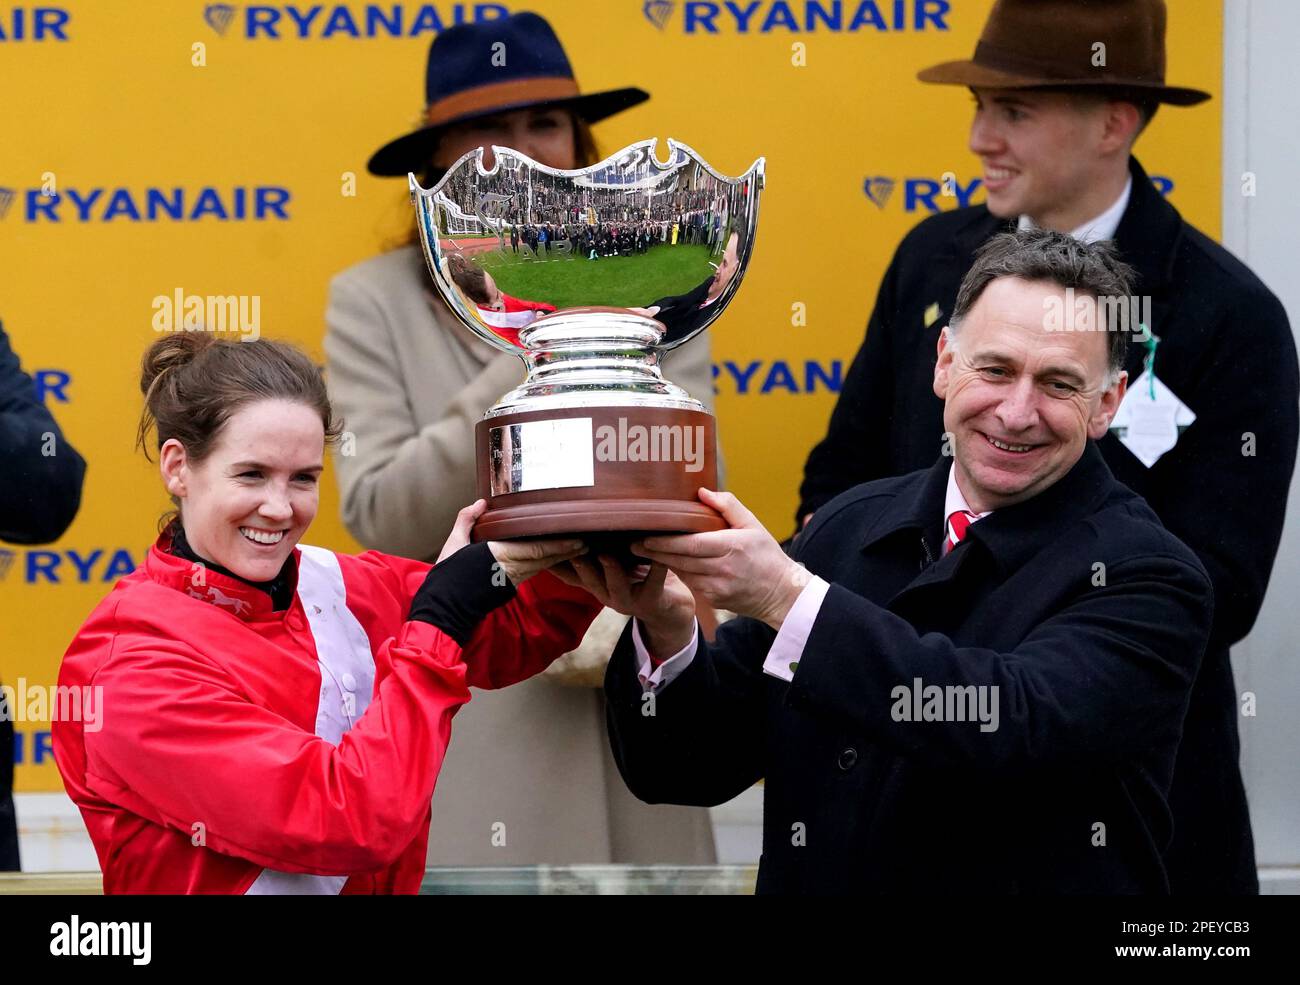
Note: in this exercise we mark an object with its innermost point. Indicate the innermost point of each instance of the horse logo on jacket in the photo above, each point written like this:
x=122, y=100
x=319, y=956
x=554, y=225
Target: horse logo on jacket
x=217, y=597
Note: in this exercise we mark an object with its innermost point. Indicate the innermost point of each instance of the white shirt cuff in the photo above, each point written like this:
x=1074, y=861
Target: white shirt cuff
x=653, y=678
x=785, y=651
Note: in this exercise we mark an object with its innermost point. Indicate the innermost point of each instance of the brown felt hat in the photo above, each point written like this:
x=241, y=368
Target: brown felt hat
x=1030, y=44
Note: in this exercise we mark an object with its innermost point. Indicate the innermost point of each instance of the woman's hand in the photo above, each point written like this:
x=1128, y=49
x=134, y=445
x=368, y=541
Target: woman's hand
x=520, y=560
x=460, y=532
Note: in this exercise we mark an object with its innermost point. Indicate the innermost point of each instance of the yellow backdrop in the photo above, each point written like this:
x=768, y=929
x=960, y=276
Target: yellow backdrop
x=103, y=103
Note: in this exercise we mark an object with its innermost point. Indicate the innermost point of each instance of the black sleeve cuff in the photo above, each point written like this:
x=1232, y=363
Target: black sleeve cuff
x=461, y=590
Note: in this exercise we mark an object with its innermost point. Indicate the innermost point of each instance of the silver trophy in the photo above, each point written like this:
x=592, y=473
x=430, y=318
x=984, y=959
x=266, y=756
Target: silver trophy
x=590, y=276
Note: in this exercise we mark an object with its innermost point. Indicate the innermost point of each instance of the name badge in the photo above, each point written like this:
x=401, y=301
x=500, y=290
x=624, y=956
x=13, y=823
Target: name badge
x=1150, y=419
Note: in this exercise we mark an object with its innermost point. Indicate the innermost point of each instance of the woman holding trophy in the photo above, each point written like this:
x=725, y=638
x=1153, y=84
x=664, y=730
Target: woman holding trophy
x=277, y=714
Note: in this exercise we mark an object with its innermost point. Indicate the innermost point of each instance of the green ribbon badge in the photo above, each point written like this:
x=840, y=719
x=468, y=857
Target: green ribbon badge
x=1150, y=340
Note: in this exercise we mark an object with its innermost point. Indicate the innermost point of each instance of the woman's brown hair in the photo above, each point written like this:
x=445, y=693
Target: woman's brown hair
x=193, y=382
x=469, y=278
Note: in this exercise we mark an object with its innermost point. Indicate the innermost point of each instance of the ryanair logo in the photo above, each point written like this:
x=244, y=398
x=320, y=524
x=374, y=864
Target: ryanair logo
x=280, y=22
x=99, y=565
x=923, y=194
x=761, y=377
x=34, y=24
x=878, y=190
x=219, y=16
x=51, y=384
x=801, y=16
x=657, y=12
x=6, y=562
x=256, y=203
x=948, y=191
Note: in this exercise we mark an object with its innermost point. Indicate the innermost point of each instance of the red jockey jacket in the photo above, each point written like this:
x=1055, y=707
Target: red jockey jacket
x=513, y=315
x=243, y=750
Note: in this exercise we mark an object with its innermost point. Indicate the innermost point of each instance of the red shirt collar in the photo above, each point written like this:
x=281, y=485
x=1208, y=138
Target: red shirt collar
x=234, y=596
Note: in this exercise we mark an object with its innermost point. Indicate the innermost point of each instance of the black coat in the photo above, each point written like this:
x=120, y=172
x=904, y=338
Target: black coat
x=39, y=493
x=682, y=314
x=1226, y=349
x=1093, y=683
x=39, y=496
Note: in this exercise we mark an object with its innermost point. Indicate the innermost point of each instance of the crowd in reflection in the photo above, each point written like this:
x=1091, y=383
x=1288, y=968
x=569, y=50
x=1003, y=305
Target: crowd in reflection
x=622, y=210
x=620, y=237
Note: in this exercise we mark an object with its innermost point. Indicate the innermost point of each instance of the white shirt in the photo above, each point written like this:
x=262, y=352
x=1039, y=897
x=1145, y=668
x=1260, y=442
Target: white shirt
x=784, y=653
x=1102, y=227
x=953, y=502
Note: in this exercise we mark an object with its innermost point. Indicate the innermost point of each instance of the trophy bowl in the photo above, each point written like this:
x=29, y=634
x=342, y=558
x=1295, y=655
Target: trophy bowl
x=589, y=276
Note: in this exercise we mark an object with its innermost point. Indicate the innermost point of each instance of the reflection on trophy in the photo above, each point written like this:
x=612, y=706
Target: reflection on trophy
x=590, y=276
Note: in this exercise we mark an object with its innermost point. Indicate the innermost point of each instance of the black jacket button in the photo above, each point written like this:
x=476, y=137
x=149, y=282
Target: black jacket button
x=848, y=758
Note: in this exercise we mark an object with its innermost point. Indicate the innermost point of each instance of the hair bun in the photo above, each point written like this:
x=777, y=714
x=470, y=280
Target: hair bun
x=172, y=351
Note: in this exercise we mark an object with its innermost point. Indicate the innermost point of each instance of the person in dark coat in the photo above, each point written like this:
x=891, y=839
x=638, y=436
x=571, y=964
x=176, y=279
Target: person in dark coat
x=969, y=679
x=1225, y=349
x=683, y=314
x=40, y=492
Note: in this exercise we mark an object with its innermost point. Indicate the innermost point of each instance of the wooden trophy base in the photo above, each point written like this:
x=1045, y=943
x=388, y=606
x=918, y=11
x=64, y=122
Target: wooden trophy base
x=615, y=471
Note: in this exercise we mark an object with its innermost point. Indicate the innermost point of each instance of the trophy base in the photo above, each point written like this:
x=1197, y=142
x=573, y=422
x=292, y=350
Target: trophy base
x=622, y=470
x=620, y=520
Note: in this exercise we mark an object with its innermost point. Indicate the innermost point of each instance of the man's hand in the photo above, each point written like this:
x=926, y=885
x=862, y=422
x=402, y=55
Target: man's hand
x=742, y=569
x=651, y=594
x=520, y=560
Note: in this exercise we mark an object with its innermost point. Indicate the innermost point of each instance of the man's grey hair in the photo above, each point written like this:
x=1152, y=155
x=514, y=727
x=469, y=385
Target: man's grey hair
x=1045, y=255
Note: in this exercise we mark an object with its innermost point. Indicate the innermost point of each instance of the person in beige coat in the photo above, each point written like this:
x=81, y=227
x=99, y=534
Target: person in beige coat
x=530, y=778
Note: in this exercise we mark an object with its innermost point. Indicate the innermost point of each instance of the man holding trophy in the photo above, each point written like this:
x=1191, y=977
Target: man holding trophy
x=970, y=678
x=977, y=684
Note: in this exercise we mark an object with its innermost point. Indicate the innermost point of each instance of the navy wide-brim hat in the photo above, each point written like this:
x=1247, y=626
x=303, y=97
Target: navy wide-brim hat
x=491, y=67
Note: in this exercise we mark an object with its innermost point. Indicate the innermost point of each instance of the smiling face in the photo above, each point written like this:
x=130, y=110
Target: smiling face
x=247, y=504
x=727, y=267
x=493, y=292
x=1020, y=401
x=1060, y=158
